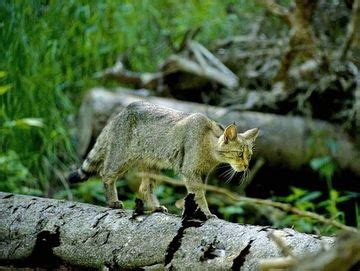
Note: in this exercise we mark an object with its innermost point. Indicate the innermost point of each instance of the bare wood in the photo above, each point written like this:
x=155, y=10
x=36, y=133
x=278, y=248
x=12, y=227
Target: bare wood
x=344, y=255
x=204, y=65
x=279, y=263
x=213, y=60
x=178, y=63
x=46, y=232
x=283, y=140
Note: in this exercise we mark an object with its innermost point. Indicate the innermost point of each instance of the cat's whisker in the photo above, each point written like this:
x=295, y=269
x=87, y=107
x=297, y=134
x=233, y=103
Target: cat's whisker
x=231, y=177
x=244, y=176
x=247, y=176
x=226, y=173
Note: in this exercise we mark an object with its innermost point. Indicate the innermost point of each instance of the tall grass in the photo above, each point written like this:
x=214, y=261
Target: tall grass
x=51, y=50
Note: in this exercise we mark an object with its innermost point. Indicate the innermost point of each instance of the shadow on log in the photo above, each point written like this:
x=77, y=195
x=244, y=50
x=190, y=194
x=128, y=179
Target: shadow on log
x=50, y=233
x=284, y=140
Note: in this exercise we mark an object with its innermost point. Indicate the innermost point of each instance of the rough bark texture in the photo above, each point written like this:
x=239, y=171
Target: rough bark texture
x=48, y=233
x=283, y=141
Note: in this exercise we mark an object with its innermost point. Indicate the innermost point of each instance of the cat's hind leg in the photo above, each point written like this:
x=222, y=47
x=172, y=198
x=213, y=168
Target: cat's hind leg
x=146, y=191
x=111, y=192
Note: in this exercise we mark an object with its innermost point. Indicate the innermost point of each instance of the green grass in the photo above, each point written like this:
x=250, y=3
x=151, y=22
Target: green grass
x=50, y=51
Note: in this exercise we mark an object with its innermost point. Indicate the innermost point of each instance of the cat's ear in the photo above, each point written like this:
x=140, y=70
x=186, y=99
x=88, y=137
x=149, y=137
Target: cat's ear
x=230, y=132
x=251, y=134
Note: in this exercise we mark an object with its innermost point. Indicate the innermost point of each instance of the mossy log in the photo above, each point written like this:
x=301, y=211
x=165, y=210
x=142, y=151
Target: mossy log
x=285, y=141
x=48, y=233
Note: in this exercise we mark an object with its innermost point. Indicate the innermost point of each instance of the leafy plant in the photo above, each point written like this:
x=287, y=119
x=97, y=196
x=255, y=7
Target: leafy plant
x=15, y=177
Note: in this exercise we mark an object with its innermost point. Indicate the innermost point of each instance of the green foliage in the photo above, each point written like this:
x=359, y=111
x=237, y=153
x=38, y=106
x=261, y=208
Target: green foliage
x=16, y=177
x=231, y=210
x=51, y=51
x=316, y=201
x=303, y=200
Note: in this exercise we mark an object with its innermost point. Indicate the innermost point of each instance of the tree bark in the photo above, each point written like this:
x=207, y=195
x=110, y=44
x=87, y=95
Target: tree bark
x=39, y=232
x=284, y=140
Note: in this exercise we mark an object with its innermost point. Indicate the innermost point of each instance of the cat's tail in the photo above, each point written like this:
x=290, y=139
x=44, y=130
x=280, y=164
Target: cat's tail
x=88, y=167
x=78, y=176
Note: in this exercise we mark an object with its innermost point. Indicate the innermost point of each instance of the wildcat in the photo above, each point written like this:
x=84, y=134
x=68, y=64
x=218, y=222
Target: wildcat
x=150, y=136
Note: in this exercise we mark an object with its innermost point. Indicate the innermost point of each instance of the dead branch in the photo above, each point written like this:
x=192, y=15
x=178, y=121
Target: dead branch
x=203, y=67
x=265, y=202
x=345, y=255
x=196, y=61
x=352, y=35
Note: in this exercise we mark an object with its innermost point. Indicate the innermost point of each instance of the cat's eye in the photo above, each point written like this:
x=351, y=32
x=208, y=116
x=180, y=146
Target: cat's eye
x=240, y=153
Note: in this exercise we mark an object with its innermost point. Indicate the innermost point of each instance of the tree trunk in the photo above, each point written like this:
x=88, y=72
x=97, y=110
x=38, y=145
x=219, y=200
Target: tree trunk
x=285, y=141
x=39, y=232
x=301, y=40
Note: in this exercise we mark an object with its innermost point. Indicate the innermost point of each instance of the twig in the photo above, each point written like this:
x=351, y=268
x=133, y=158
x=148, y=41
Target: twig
x=341, y=257
x=178, y=63
x=236, y=198
x=352, y=30
x=276, y=9
x=213, y=60
x=278, y=263
x=280, y=242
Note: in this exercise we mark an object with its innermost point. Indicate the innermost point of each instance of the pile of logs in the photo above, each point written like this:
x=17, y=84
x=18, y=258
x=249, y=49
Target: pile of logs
x=279, y=75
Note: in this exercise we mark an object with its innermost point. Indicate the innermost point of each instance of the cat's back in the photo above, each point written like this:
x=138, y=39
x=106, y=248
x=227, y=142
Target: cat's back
x=148, y=112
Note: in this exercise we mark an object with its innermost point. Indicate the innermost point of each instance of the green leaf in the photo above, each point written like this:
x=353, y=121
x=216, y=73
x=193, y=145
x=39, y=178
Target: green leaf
x=34, y=122
x=319, y=162
x=3, y=74
x=4, y=89
x=310, y=196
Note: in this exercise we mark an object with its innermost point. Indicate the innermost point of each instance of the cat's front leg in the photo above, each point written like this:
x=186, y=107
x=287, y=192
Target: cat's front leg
x=195, y=185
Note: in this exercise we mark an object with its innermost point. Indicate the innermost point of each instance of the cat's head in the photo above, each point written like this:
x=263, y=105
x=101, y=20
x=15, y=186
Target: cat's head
x=236, y=149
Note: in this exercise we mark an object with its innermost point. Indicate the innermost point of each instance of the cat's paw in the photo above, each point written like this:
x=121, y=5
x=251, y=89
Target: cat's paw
x=161, y=209
x=116, y=204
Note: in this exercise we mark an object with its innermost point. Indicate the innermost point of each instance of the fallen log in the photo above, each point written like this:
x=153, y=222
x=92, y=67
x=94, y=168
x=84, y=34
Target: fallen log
x=40, y=232
x=284, y=140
